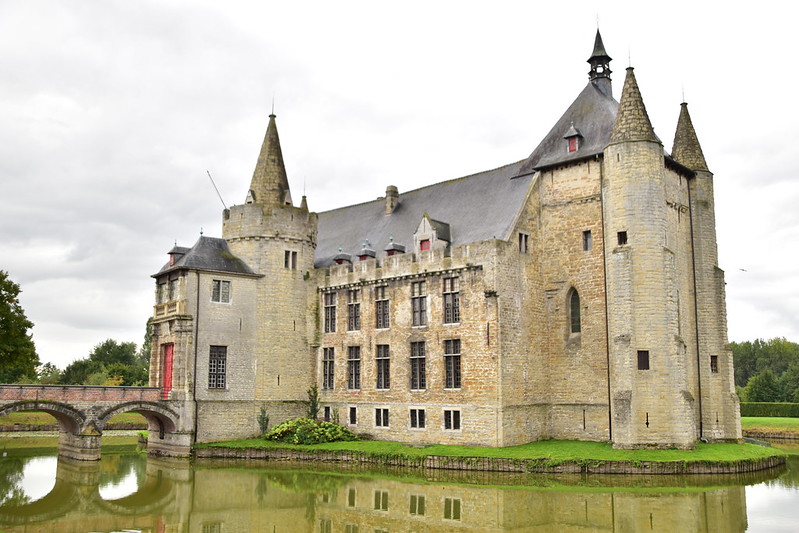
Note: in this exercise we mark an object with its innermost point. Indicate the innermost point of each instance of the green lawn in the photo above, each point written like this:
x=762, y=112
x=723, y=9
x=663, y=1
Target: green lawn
x=553, y=450
x=767, y=424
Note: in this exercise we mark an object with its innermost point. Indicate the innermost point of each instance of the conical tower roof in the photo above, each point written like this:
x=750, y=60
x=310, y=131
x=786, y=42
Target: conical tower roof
x=632, y=121
x=687, y=150
x=270, y=185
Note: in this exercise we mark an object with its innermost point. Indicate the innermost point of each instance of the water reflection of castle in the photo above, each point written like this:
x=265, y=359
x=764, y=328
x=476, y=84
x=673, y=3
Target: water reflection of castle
x=173, y=496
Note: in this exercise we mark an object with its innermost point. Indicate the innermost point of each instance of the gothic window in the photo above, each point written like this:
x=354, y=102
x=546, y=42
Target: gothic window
x=643, y=359
x=330, y=312
x=574, y=312
x=381, y=307
x=452, y=312
x=354, y=310
x=419, y=303
x=354, y=367
x=220, y=291
x=381, y=417
x=418, y=371
x=417, y=418
x=217, y=367
x=452, y=419
x=452, y=363
x=383, y=367
x=328, y=366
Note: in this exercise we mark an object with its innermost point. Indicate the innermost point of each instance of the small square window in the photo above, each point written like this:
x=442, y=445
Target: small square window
x=643, y=359
x=424, y=245
x=622, y=238
x=220, y=291
x=714, y=364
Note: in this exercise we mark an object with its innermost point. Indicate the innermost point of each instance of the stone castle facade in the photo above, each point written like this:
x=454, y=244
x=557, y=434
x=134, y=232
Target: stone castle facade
x=572, y=295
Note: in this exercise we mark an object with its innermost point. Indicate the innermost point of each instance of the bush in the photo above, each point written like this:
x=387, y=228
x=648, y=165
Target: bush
x=789, y=410
x=308, y=431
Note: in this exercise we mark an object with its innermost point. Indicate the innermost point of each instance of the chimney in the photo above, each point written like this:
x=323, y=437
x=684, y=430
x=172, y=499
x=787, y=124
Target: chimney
x=392, y=198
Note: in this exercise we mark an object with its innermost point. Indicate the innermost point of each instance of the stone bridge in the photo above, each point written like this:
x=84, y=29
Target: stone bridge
x=82, y=412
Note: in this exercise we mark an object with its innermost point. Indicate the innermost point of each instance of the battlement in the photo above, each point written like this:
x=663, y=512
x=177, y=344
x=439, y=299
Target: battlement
x=272, y=221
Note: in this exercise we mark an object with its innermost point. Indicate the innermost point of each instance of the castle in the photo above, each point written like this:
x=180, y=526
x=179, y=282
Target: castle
x=572, y=295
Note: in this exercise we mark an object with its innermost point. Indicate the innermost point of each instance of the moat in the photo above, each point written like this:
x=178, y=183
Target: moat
x=129, y=491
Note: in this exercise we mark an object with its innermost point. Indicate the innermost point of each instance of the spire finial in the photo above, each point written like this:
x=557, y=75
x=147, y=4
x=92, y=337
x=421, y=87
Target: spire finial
x=273, y=105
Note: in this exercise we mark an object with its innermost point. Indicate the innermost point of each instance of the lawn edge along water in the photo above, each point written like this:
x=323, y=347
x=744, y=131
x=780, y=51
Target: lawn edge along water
x=540, y=457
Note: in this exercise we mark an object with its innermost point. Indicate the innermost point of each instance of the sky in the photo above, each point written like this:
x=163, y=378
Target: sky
x=113, y=112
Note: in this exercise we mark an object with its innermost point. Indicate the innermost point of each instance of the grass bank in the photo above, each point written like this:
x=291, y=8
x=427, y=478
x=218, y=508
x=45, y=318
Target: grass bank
x=542, y=456
x=756, y=426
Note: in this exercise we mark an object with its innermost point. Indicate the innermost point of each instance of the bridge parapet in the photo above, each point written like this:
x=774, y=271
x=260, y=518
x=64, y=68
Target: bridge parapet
x=78, y=393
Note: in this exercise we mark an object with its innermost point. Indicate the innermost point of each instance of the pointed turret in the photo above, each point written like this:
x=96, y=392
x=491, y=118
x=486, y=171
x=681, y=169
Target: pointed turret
x=600, y=66
x=270, y=185
x=686, y=149
x=632, y=121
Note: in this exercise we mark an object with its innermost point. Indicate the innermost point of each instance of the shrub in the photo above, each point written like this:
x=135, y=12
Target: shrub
x=790, y=410
x=308, y=431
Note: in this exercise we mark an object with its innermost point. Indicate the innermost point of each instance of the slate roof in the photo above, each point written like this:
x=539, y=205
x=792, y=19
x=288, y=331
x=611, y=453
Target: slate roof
x=209, y=253
x=479, y=207
x=593, y=114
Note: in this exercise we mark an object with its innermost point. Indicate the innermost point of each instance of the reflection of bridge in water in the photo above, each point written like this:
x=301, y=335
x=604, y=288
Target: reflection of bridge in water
x=82, y=412
x=176, y=496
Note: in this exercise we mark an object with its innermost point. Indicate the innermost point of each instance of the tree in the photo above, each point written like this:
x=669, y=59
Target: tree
x=763, y=387
x=78, y=372
x=110, y=351
x=49, y=374
x=18, y=356
x=143, y=355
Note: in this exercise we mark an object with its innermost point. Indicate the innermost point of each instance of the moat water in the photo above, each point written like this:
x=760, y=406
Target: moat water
x=131, y=492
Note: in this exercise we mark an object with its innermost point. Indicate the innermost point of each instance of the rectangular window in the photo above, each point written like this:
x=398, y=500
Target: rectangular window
x=622, y=238
x=572, y=143
x=452, y=312
x=330, y=312
x=452, y=508
x=354, y=367
x=417, y=418
x=354, y=310
x=381, y=308
x=327, y=413
x=383, y=367
x=714, y=364
x=523, y=242
x=381, y=500
x=351, y=497
x=419, y=303
x=353, y=416
x=587, y=244
x=220, y=291
x=351, y=528
x=417, y=505
x=418, y=371
x=173, y=289
x=328, y=367
x=452, y=363
x=381, y=418
x=160, y=293
x=212, y=527
x=217, y=367
x=643, y=359
x=290, y=260
x=452, y=419
x=325, y=525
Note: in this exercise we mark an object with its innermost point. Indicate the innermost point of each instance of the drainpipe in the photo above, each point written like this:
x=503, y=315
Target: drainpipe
x=605, y=274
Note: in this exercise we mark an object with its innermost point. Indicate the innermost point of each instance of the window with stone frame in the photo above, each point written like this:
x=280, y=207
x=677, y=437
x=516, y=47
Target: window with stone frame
x=353, y=367
x=452, y=508
x=418, y=370
x=714, y=364
x=417, y=505
x=523, y=238
x=174, y=284
x=419, y=303
x=217, y=367
x=381, y=307
x=381, y=500
x=220, y=291
x=574, y=312
x=452, y=364
x=290, y=260
x=452, y=419
x=452, y=312
x=383, y=362
x=328, y=367
x=353, y=309
x=381, y=417
x=160, y=293
x=643, y=359
x=417, y=418
x=330, y=312
x=353, y=416
x=587, y=241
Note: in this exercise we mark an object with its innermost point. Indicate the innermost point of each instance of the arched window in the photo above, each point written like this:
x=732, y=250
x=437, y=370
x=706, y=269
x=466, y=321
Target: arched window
x=574, y=312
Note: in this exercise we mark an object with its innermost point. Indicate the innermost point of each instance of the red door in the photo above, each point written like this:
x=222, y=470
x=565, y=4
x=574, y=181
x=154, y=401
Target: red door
x=166, y=379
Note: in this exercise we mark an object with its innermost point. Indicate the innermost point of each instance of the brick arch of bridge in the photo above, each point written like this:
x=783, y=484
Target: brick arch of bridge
x=69, y=418
x=160, y=419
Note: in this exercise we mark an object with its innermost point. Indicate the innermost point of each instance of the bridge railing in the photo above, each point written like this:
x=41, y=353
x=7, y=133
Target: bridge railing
x=75, y=393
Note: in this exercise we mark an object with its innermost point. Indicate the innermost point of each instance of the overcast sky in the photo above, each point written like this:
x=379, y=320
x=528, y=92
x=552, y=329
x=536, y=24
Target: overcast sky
x=112, y=111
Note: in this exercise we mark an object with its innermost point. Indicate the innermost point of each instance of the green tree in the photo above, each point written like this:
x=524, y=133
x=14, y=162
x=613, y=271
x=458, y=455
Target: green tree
x=18, y=356
x=78, y=372
x=313, y=402
x=49, y=374
x=763, y=387
x=110, y=351
x=143, y=355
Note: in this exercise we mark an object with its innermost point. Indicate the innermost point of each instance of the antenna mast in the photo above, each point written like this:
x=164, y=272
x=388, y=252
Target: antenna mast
x=217, y=190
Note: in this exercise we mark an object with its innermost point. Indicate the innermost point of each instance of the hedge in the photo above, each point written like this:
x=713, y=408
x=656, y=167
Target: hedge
x=789, y=410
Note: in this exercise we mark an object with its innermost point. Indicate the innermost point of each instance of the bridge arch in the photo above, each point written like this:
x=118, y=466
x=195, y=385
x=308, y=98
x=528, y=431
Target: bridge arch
x=69, y=419
x=160, y=419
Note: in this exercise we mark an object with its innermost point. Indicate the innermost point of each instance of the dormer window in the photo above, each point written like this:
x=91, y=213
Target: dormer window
x=572, y=144
x=424, y=244
x=572, y=137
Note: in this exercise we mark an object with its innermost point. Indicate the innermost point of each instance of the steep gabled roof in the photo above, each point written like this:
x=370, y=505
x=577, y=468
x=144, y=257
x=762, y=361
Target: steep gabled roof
x=593, y=113
x=477, y=208
x=209, y=254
